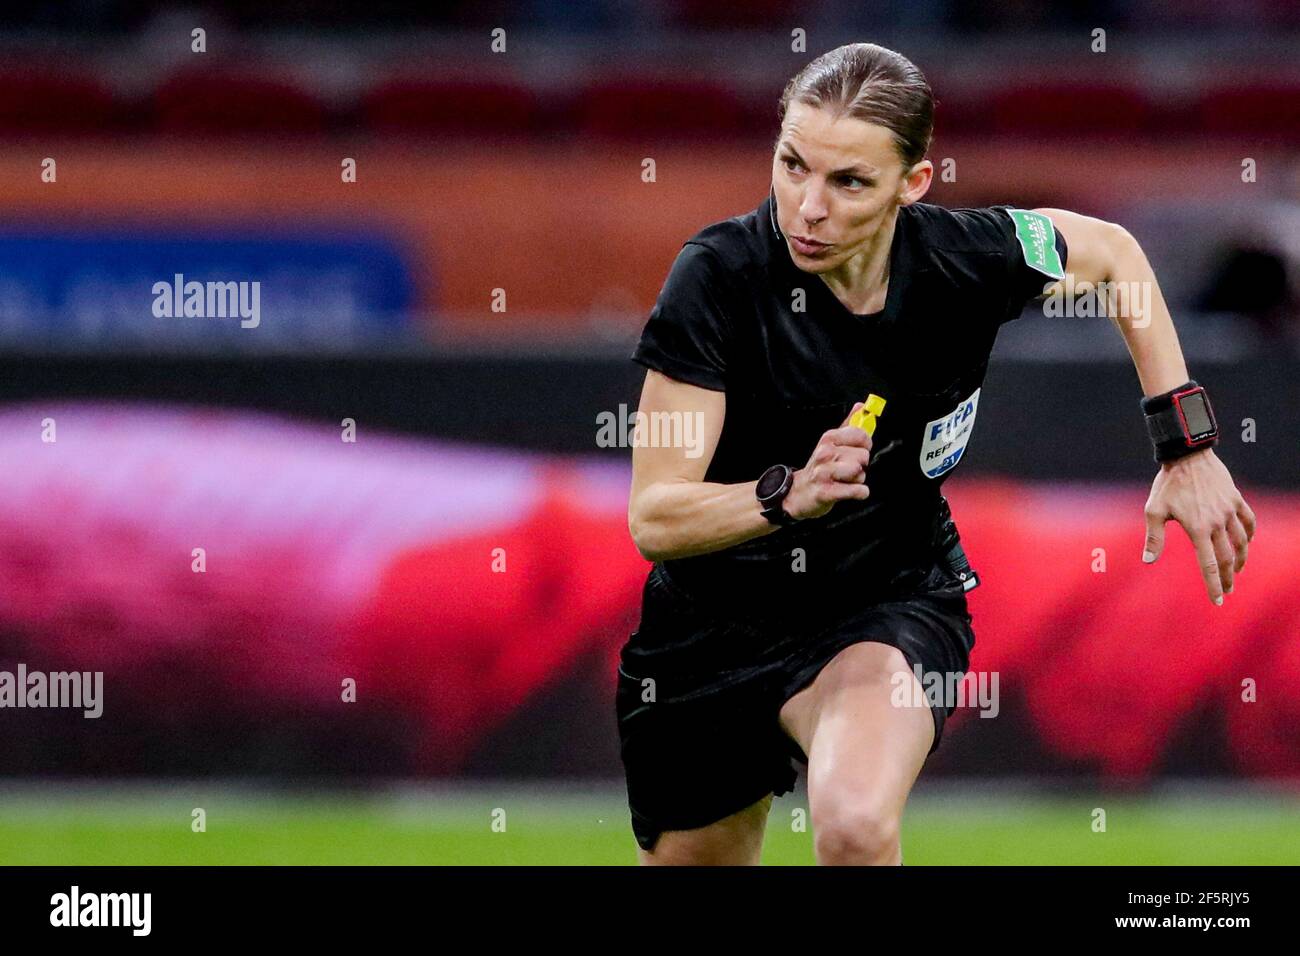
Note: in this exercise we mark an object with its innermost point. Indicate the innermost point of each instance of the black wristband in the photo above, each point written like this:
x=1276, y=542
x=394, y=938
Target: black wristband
x=1180, y=422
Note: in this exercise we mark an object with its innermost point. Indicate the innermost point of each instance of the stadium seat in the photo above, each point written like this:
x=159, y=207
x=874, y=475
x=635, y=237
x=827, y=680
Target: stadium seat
x=228, y=101
x=649, y=108
x=452, y=105
x=1065, y=109
x=43, y=100
x=1267, y=110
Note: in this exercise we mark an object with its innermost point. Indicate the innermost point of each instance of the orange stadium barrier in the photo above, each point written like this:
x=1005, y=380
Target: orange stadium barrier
x=567, y=233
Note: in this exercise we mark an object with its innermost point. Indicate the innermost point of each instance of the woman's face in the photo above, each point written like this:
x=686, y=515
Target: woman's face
x=837, y=182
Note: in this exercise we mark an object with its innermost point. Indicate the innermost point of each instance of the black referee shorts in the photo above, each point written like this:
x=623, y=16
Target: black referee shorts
x=699, y=697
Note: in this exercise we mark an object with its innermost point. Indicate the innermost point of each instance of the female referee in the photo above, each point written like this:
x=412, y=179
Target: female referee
x=802, y=568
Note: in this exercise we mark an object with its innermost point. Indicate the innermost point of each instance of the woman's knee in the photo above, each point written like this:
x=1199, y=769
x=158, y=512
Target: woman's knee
x=857, y=834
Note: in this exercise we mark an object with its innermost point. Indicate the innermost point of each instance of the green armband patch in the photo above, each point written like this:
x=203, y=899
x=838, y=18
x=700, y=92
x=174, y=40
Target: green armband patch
x=1037, y=238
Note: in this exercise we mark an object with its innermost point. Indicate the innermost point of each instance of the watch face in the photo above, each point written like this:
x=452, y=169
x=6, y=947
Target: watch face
x=1196, y=414
x=770, y=482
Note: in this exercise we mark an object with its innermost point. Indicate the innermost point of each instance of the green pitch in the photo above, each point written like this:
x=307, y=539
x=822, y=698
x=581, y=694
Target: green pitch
x=520, y=826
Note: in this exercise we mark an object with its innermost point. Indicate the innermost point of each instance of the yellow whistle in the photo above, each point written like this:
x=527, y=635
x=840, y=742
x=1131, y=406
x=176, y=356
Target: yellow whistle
x=865, y=417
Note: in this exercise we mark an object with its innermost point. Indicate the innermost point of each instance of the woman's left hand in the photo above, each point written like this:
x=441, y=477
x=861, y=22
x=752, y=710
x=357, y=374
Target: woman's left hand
x=1198, y=493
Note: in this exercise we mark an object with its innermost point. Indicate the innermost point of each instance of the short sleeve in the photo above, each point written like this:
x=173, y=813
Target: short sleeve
x=1036, y=255
x=1021, y=253
x=688, y=335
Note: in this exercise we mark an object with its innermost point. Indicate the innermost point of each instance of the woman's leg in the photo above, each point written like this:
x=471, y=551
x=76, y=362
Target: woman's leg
x=864, y=752
x=736, y=840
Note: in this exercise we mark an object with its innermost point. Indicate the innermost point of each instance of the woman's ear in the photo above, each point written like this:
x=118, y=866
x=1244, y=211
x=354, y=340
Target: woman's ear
x=916, y=183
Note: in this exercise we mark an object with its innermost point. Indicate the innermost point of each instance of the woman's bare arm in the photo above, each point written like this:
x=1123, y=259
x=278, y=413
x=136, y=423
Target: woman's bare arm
x=674, y=513
x=1196, y=491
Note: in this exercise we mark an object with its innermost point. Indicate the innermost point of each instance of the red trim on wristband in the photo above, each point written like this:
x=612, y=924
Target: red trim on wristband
x=1177, y=398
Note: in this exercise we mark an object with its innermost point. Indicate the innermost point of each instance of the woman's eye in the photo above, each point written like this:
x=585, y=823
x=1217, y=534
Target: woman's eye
x=791, y=164
x=853, y=182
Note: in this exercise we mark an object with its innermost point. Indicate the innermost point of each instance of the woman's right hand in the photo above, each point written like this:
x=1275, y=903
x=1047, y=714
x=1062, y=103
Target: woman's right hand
x=836, y=470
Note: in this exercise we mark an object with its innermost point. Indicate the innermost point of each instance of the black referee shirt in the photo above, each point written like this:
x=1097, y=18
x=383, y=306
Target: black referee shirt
x=736, y=315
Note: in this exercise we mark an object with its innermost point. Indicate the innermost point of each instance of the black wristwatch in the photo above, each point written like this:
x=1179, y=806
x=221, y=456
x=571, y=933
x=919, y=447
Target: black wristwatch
x=1180, y=421
x=772, y=488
